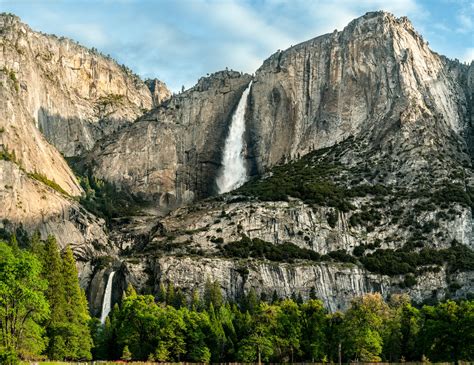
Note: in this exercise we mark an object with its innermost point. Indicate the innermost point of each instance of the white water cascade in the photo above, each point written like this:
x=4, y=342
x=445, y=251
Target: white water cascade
x=233, y=172
x=107, y=301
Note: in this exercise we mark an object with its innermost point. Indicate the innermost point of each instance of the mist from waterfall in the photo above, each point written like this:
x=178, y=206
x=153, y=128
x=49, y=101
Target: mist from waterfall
x=107, y=301
x=234, y=172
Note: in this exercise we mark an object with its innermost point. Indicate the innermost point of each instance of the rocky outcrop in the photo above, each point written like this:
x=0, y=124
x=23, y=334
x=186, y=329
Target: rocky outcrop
x=159, y=91
x=208, y=225
x=393, y=113
x=335, y=284
x=395, y=117
x=74, y=95
x=376, y=78
x=37, y=187
x=172, y=154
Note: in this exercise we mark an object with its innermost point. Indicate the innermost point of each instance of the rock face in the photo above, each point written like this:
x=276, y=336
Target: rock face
x=159, y=91
x=334, y=284
x=376, y=73
x=42, y=76
x=36, y=184
x=74, y=95
x=385, y=126
x=391, y=112
x=172, y=154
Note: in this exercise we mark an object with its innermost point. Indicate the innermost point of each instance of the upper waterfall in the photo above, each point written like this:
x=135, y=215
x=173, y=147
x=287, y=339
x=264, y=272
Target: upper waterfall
x=107, y=301
x=234, y=172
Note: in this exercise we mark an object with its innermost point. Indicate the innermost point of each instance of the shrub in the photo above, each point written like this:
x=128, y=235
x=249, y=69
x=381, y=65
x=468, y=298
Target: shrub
x=332, y=218
x=51, y=183
x=257, y=248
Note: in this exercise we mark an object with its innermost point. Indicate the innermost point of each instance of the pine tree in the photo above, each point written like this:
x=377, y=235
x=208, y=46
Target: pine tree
x=126, y=354
x=251, y=303
x=179, y=299
x=170, y=294
x=161, y=295
x=130, y=292
x=57, y=323
x=196, y=302
x=212, y=294
x=275, y=297
x=78, y=338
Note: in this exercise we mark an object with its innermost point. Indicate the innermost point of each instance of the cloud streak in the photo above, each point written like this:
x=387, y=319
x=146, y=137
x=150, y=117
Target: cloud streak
x=180, y=41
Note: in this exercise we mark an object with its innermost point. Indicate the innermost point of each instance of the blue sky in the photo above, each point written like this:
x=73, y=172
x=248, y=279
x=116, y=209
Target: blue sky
x=182, y=40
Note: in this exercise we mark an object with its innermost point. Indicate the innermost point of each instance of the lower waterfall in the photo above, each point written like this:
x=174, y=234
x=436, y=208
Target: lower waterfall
x=107, y=301
x=233, y=172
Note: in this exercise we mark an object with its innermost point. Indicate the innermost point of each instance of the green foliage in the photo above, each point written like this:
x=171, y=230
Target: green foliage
x=257, y=248
x=105, y=200
x=34, y=276
x=126, y=354
x=22, y=304
x=58, y=326
x=212, y=294
x=314, y=323
x=396, y=262
x=78, y=337
x=12, y=75
x=448, y=331
x=43, y=179
x=332, y=218
x=341, y=256
x=363, y=324
x=370, y=330
x=7, y=155
x=308, y=179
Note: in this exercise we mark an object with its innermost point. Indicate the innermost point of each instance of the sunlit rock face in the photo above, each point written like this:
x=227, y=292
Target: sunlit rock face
x=172, y=155
x=390, y=111
x=74, y=95
x=376, y=77
x=403, y=112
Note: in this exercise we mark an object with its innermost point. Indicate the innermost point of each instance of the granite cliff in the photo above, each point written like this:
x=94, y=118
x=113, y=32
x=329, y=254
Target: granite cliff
x=57, y=99
x=358, y=147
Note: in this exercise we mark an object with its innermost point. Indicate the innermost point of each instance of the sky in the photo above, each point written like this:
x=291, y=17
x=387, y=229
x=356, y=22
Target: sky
x=179, y=41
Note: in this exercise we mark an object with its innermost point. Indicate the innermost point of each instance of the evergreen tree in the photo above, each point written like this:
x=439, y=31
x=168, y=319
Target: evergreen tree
x=77, y=339
x=259, y=344
x=56, y=325
x=126, y=354
x=212, y=294
x=179, y=299
x=275, y=297
x=251, y=302
x=170, y=295
x=196, y=302
x=161, y=295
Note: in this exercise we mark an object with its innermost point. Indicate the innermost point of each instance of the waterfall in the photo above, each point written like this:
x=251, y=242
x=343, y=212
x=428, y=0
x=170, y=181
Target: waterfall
x=107, y=301
x=233, y=172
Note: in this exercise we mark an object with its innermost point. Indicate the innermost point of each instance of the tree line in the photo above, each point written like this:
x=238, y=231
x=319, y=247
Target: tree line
x=44, y=315
x=208, y=329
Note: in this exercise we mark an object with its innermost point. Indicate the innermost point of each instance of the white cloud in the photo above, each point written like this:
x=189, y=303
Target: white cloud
x=180, y=41
x=89, y=33
x=468, y=55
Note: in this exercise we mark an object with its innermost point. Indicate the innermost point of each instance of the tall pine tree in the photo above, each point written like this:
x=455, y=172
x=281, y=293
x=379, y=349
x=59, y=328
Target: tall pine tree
x=56, y=325
x=78, y=339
